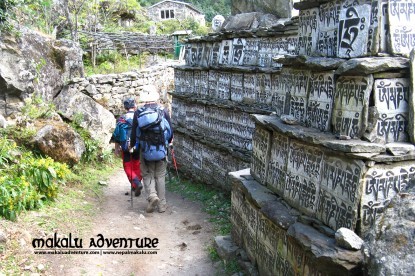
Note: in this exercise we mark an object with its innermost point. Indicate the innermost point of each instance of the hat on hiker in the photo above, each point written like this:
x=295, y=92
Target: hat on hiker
x=149, y=94
x=129, y=103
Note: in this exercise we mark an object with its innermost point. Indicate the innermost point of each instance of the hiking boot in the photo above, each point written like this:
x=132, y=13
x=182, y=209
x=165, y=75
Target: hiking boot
x=152, y=203
x=138, y=189
x=162, y=208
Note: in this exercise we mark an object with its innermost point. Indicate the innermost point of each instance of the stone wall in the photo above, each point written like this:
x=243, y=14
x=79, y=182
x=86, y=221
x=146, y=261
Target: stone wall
x=330, y=96
x=110, y=90
x=129, y=42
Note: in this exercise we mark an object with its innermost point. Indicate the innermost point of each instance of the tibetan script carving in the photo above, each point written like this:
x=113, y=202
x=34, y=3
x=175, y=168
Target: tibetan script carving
x=350, y=105
x=392, y=103
x=353, y=30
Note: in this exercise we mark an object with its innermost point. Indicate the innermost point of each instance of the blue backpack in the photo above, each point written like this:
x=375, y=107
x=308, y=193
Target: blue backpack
x=153, y=133
x=122, y=131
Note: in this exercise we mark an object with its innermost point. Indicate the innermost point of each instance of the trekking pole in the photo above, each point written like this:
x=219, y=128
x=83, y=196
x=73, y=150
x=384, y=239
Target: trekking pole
x=174, y=161
x=168, y=170
x=131, y=179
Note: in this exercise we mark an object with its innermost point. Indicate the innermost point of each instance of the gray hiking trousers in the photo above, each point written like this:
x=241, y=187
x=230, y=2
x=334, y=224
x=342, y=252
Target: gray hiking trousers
x=154, y=178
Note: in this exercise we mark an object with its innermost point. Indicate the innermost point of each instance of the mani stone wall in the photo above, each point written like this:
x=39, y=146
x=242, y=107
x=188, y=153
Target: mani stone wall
x=111, y=90
x=338, y=145
x=224, y=81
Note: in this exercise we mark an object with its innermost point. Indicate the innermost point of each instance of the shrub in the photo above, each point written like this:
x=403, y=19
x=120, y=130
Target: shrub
x=26, y=184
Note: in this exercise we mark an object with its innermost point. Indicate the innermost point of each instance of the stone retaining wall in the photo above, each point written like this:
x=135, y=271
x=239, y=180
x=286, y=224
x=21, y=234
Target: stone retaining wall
x=110, y=90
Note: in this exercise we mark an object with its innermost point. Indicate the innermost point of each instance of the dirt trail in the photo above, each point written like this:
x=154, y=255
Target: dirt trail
x=183, y=232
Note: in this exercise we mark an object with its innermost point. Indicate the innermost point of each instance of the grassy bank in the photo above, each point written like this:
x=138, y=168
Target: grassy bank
x=72, y=211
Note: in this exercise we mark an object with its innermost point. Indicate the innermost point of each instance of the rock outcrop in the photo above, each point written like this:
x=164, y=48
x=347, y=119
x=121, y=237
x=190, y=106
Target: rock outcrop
x=282, y=9
x=93, y=117
x=34, y=63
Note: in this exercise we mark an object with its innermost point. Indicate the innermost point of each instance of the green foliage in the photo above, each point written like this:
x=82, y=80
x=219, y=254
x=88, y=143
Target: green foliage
x=36, y=108
x=26, y=184
x=172, y=25
x=93, y=152
x=213, y=253
x=114, y=62
x=5, y=7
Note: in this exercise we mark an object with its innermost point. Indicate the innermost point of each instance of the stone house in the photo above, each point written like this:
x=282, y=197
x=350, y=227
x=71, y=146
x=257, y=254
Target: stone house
x=167, y=9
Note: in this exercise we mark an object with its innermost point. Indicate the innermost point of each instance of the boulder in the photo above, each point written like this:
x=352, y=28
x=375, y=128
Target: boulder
x=3, y=237
x=348, y=239
x=93, y=117
x=249, y=21
x=226, y=247
x=280, y=8
x=34, y=63
x=3, y=122
x=389, y=247
x=59, y=141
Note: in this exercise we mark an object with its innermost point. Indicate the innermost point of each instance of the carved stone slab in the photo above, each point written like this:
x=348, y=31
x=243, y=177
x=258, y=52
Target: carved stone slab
x=188, y=54
x=411, y=127
x=263, y=89
x=198, y=149
x=340, y=191
x=244, y=216
x=373, y=43
x=178, y=80
x=392, y=103
x=226, y=52
x=277, y=164
x=279, y=97
x=215, y=53
x=271, y=247
x=327, y=42
x=238, y=51
x=204, y=83
x=237, y=88
x=329, y=15
x=197, y=53
x=213, y=83
x=196, y=82
x=224, y=84
x=187, y=84
x=213, y=166
x=384, y=35
x=350, y=105
x=250, y=83
x=184, y=149
x=295, y=84
x=264, y=52
x=308, y=31
x=207, y=51
x=295, y=258
x=250, y=56
x=320, y=100
x=303, y=176
x=383, y=182
x=179, y=109
x=237, y=201
x=353, y=30
x=261, y=142
x=401, y=25
x=283, y=46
